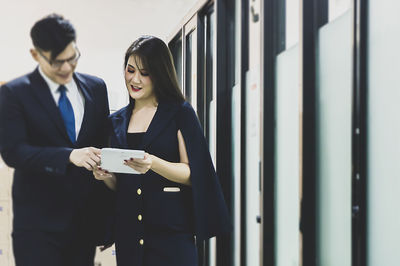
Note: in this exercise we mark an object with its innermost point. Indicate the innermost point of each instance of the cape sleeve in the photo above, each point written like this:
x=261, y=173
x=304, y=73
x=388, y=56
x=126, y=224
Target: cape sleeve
x=210, y=211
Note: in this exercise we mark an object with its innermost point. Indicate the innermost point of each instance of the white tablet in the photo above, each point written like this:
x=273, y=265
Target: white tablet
x=112, y=160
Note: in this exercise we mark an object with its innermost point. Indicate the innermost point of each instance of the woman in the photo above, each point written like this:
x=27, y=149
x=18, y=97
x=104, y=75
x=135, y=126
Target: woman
x=177, y=199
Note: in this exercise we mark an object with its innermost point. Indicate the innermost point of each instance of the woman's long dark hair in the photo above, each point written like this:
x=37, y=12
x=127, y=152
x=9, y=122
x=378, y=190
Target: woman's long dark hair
x=156, y=59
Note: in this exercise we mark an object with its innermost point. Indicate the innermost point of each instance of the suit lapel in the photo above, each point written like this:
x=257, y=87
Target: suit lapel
x=165, y=112
x=120, y=124
x=89, y=107
x=43, y=94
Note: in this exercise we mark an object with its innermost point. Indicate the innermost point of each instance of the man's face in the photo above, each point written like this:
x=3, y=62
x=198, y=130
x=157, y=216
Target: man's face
x=61, y=69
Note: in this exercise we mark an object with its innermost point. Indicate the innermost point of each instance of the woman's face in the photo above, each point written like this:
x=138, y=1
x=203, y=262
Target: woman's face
x=138, y=81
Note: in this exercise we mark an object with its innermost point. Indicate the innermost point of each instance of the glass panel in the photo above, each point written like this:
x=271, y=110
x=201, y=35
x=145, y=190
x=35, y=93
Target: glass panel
x=236, y=141
x=176, y=50
x=287, y=158
x=383, y=232
x=209, y=72
x=292, y=22
x=333, y=125
x=212, y=115
x=287, y=135
x=337, y=8
x=188, y=73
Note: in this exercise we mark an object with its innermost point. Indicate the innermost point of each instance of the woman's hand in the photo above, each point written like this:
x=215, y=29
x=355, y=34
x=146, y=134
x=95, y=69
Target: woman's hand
x=108, y=178
x=140, y=165
x=101, y=174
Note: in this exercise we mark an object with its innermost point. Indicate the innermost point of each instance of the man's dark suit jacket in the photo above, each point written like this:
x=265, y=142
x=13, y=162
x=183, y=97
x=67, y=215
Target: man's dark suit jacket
x=49, y=193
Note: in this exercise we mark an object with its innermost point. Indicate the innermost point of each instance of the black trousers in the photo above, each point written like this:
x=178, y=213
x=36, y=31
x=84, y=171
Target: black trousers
x=36, y=248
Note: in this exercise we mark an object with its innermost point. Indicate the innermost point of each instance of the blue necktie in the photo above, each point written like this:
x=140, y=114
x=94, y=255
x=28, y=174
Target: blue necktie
x=67, y=113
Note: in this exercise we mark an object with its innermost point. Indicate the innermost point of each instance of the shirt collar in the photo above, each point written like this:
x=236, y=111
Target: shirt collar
x=52, y=85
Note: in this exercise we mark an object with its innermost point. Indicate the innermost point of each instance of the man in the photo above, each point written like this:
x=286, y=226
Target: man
x=52, y=122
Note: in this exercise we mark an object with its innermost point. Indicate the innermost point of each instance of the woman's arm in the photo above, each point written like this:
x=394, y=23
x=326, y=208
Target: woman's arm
x=108, y=178
x=176, y=172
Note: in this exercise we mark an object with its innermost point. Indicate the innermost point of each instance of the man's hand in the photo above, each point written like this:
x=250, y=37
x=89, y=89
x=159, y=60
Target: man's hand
x=86, y=157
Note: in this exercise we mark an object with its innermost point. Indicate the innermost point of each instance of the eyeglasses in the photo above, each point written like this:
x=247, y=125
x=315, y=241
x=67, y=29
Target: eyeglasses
x=59, y=63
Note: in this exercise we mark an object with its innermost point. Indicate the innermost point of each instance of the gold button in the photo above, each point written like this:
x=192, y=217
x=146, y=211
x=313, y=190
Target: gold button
x=139, y=191
x=139, y=217
x=141, y=242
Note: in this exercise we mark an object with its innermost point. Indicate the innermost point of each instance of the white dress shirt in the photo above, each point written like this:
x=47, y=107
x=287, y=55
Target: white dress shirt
x=74, y=95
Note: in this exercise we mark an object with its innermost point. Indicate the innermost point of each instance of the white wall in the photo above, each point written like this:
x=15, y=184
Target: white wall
x=105, y=29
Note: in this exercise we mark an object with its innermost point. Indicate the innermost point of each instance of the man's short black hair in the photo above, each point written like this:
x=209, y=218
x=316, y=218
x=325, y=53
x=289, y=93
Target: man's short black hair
x=52, y=33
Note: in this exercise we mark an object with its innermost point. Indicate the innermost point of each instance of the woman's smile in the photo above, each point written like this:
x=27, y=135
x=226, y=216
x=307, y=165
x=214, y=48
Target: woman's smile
x=135, y=88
